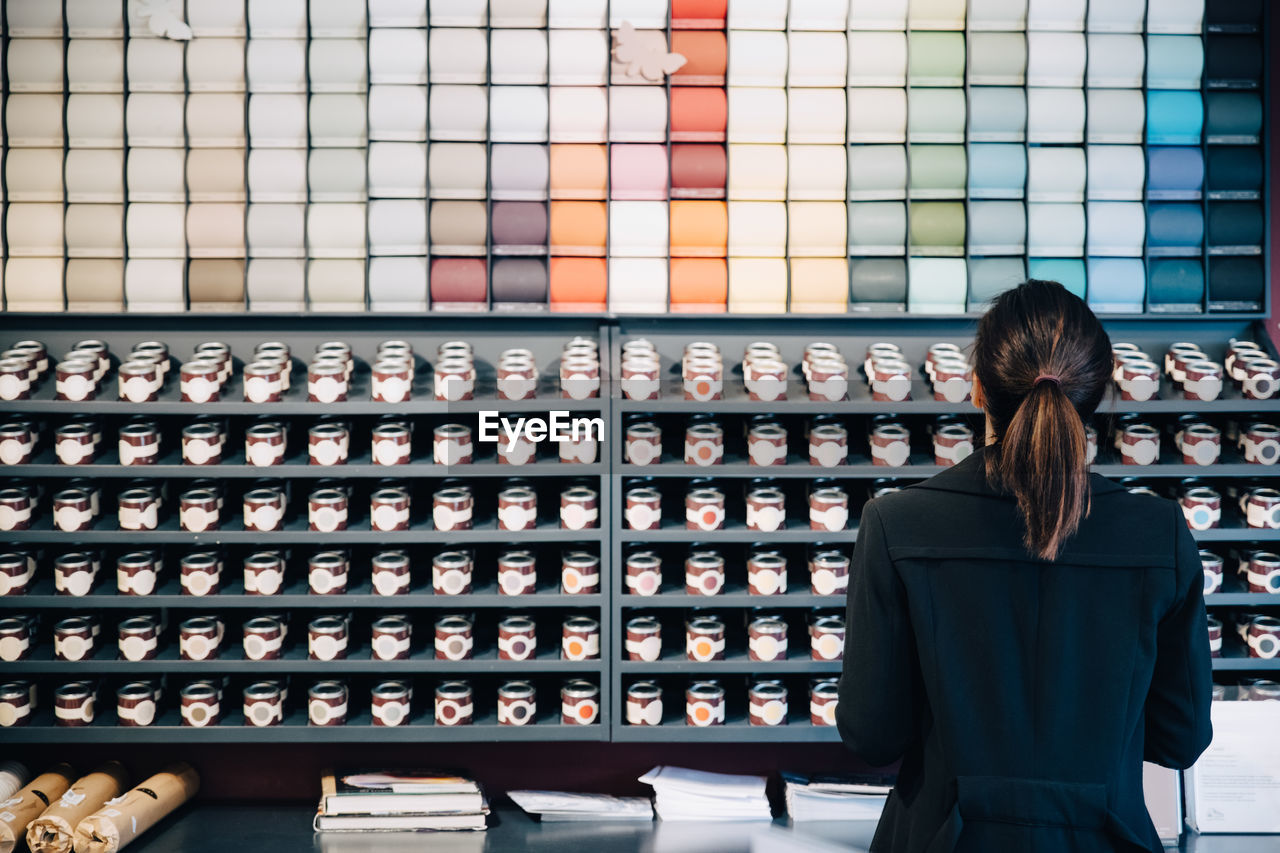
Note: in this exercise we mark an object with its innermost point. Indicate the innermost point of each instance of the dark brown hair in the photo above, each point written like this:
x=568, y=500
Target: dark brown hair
x=1043, y=361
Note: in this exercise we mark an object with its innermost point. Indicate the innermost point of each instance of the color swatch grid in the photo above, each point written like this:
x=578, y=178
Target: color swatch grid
x=759, y=156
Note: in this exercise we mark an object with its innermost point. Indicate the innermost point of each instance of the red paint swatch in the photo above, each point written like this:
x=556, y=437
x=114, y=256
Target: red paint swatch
x=698, y=171
x=698, y=114
x=698, y=14
x=459, y=280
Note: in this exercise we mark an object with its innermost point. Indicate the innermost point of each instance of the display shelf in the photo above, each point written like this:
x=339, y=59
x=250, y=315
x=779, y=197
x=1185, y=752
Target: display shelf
x=736, y=401
x=736, y=729
x=296, y=533
x=359, y=465
x=295, y=729
x=733, y=596
x=295, y=662
x=735, y=531
x=737, y=662
x=358, y=595
x=1233, y=660
x=294, y=403
x=922, y=467
x=1242, y=599
x=1230, y=531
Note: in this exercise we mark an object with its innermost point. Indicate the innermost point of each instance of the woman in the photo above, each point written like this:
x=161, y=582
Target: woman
x=1022, y=633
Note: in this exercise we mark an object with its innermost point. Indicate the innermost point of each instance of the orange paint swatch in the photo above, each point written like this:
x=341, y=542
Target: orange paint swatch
x=579, y=171
x=699, y=229
x=707, y=56
x=579, y=283
x=578, y=228
x=702, y=282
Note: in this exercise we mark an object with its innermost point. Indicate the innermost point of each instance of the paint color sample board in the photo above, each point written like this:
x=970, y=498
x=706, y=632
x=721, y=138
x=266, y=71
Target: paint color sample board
x=633, y=156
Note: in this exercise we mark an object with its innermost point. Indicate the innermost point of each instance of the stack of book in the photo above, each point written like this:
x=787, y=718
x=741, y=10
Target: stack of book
x=835, y=797
x=399, y=802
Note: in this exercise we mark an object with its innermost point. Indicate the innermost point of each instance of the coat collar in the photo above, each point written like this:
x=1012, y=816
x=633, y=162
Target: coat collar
x=970, y=477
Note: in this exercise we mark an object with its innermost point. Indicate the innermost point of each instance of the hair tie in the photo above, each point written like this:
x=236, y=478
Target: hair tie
x=1048, y=377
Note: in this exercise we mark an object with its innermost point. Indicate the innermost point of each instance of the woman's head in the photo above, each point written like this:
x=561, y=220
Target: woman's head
x=1042, y=362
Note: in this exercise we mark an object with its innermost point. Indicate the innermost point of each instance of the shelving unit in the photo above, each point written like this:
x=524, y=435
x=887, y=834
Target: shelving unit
x=547, y=605
x=669, y=335
x=612, y=605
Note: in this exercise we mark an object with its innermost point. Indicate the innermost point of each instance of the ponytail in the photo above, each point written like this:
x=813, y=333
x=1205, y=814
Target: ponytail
x=1043, y=362
x=1042, y=460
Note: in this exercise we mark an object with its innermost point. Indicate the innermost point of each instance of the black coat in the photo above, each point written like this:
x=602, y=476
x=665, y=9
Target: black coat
x=1022, y=695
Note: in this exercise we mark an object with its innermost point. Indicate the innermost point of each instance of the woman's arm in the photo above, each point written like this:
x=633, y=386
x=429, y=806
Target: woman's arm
x=876, y=713
x=1177, y=713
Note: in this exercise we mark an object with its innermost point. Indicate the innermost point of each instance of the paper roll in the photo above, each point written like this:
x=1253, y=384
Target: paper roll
x=13, y=775
x=29, y=802
x=121, y=821
x=53, y=831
